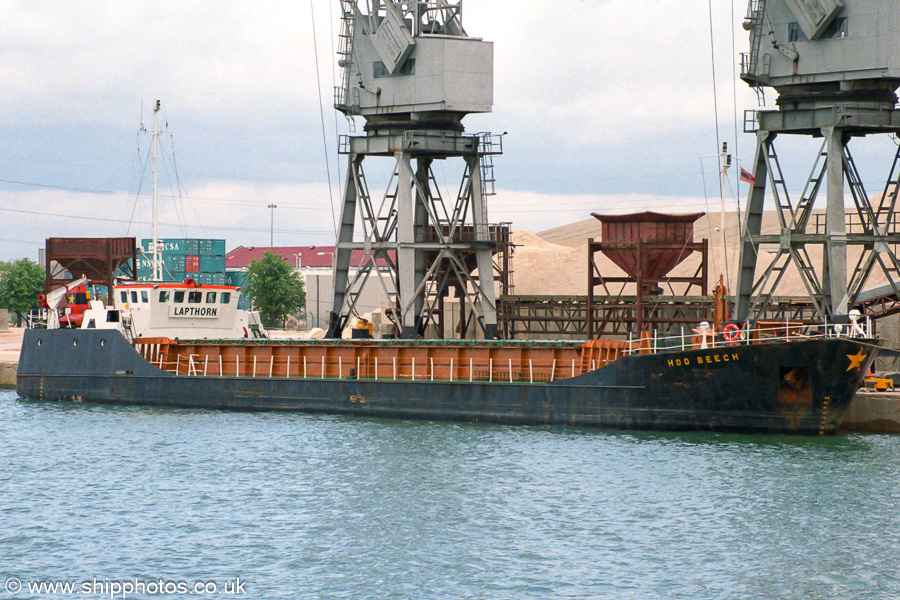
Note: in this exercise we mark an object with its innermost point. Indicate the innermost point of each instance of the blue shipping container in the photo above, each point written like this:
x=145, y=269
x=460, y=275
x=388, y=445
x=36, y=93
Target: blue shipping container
x=212, y=264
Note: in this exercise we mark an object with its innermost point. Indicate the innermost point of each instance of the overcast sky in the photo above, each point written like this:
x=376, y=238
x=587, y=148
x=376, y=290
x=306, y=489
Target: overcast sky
x=608, y=106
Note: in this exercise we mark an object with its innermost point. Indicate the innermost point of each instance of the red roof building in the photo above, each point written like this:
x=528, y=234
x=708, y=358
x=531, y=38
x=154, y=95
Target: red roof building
x=300, y=257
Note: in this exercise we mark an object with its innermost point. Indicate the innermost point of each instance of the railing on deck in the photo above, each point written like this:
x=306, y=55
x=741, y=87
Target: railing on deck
x=739, y=334
x=519, y=365
x=490, y=370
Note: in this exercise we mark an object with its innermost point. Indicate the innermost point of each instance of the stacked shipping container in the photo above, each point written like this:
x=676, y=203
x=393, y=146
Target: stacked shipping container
x=200, y=260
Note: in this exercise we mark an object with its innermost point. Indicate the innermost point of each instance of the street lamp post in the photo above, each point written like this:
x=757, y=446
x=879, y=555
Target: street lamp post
x=272, y=226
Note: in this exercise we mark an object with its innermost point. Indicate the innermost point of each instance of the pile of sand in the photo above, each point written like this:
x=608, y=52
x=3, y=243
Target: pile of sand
x=541, y=268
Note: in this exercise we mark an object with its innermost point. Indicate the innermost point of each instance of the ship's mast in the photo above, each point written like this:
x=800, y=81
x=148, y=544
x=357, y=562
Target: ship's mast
x=157, y=272
x=725, y=164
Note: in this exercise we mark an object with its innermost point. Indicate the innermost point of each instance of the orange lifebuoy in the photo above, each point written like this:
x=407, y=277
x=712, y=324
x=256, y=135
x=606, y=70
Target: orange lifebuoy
x=731, y=333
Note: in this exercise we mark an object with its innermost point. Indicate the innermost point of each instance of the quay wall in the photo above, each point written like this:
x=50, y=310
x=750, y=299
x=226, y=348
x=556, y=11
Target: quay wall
x=873, y=412
x=8, y=375
x=10, y=346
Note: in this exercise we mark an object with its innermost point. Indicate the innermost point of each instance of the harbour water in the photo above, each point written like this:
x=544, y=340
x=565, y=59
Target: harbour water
x=311, y=506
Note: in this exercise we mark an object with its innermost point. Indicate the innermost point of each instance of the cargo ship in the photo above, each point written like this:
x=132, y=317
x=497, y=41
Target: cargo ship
x=413, y=73
x=774, y=378
x=185, y=344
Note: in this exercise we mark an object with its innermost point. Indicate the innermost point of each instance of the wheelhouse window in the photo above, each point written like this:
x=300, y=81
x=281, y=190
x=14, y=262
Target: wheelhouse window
x=179, y=297
x=225, y=297
x=195, y=297
x=145, y=297
x=134, y=297
x=164, y=296
x=123, y=295
x=210, y=297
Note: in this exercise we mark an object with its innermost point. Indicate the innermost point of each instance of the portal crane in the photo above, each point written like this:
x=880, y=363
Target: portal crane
x=835, y=65
x=413, y=73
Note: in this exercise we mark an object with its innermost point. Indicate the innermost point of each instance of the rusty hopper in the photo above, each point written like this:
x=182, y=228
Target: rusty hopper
x=647, y=246
x=665, y=240
x=98, y=259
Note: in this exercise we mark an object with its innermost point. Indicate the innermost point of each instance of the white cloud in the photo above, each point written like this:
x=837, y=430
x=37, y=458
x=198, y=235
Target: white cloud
x=584, y=87
x=95, y=59
x=239, y=213
x=598, y=72
x=594, y=68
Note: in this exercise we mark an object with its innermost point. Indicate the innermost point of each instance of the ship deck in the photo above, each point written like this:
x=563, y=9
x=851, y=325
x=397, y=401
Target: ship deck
x=451, y=360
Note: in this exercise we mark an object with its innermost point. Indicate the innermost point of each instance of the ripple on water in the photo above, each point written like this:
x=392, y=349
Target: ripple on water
x=307, y=506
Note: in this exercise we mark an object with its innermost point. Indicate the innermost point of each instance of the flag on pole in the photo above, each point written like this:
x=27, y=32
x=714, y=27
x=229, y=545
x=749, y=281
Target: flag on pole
x=747, y=176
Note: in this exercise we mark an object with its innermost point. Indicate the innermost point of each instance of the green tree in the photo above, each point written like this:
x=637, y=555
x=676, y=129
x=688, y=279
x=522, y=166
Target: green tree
x=20, y=283
x=275, y=289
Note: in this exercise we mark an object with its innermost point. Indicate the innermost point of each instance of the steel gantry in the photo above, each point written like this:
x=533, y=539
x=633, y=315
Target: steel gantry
x=873, y=226
x=413, y=73
x=833, y=64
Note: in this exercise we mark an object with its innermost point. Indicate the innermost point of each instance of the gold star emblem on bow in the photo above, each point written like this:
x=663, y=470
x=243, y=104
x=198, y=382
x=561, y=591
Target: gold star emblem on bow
x=856, y=360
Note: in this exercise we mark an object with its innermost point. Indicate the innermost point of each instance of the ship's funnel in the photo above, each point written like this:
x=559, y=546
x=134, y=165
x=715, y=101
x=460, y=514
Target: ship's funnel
x=663, y=240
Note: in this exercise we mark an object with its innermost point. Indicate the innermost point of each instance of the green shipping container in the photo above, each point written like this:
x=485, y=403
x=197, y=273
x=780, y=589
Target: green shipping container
x=169, y=245
x=144, y=262
x=170, y=262
x=235, y=278
x=212, y=264
x=212, y=247
x=192, y=246
x=174, y=262
x=147, y=275
x=188, y=246
x=210, y=278
x=175, y=275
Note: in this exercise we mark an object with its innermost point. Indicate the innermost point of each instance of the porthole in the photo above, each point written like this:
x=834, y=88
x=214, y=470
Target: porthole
x=40, y=342
x=102, y=342
x=74, y=342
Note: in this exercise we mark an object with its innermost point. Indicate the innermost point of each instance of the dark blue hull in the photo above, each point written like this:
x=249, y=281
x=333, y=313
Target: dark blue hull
x=800, y=387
